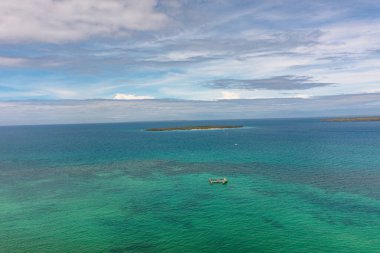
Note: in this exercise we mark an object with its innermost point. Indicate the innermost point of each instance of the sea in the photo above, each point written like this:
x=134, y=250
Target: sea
x=295, y=185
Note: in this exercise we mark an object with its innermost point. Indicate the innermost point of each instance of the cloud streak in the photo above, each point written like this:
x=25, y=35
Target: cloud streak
x=274, y=83
x=70, y=20
x=12, y=61
x=93, y=111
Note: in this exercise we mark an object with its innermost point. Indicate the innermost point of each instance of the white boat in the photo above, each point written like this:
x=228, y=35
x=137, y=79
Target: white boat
x=218, y=180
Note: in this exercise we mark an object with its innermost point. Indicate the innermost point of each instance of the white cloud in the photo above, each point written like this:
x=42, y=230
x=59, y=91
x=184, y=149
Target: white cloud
x=122, y=96
x=304, y=96
x=72, y=20
x=229, y=95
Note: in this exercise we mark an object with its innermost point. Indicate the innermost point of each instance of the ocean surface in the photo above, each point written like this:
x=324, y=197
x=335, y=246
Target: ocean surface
x=295, y=185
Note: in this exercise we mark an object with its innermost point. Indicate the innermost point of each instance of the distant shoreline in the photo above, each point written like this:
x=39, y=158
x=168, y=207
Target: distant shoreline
x=188, y=128
x=353, y=119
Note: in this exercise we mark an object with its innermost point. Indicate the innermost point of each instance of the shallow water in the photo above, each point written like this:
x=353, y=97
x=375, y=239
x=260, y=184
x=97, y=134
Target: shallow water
x=294, y=186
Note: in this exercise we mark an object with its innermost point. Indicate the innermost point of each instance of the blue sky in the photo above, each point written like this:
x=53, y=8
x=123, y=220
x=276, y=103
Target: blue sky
x=237, y=57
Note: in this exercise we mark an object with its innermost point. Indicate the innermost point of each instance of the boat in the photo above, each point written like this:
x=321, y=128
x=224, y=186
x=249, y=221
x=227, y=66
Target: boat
x=218, y=180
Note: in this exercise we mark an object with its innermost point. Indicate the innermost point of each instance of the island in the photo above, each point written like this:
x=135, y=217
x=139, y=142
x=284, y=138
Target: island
x=353, y=119
x=186, y=128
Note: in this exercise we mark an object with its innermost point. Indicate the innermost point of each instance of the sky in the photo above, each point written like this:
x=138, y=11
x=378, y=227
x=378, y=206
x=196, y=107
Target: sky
x=87, y=61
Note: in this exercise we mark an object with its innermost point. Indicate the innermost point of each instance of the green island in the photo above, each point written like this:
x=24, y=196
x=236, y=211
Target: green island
x=211, y=127
x=353, y=119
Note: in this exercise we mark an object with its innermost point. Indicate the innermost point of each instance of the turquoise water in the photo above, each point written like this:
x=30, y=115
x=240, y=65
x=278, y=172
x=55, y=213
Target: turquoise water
x=294, y=186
